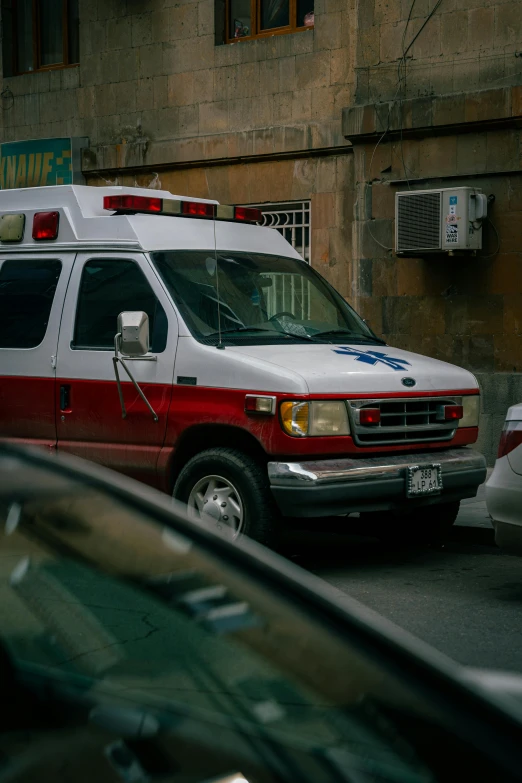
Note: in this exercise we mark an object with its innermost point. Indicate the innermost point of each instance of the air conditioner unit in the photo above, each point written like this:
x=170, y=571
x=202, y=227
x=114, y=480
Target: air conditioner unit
x=439, y=221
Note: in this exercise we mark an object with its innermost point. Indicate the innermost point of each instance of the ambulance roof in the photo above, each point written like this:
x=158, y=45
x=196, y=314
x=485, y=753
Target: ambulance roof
x=85, y=223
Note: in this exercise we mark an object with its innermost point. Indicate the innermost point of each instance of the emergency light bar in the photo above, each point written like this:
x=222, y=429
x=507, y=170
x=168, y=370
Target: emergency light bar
x=129, y=204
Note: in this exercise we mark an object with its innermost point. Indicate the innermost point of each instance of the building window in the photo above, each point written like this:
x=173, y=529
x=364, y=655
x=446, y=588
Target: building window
x=44, y=33
x=292, y=220
x=246, y=19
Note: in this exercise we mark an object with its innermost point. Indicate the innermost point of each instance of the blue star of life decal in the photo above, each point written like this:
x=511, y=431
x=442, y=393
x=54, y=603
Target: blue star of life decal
x=373, y=357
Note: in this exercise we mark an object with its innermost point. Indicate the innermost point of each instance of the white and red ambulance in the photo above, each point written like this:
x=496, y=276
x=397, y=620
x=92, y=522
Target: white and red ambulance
x=176, y=341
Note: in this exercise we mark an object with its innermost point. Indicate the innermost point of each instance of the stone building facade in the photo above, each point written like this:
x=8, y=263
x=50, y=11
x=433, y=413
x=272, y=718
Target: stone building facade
x=376, y=97
x=438, y=104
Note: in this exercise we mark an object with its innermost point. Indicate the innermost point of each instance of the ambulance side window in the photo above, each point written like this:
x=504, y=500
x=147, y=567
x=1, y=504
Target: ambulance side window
x=27, y=291
x=110, y=286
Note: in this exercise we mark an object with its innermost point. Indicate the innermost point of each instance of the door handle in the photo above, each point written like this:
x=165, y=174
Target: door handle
x=65, y=398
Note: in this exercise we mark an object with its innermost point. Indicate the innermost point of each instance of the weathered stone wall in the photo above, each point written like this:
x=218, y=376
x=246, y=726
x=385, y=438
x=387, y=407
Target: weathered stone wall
x=159, y=100
x=152, y=78
x=447, y=115
x=467, y=45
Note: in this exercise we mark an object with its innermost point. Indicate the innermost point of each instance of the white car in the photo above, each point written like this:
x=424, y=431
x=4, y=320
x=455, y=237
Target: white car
x=504, y=487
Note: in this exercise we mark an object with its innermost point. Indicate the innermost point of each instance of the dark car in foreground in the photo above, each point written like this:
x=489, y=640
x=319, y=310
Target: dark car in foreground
x=139, y=646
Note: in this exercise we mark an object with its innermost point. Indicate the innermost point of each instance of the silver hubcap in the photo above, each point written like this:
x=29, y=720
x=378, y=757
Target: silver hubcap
x=215, y=499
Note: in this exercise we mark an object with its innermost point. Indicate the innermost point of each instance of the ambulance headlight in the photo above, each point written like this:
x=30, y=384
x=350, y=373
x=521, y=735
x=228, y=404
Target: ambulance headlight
x=471, y=409
x=302, y=419
x=329, y=418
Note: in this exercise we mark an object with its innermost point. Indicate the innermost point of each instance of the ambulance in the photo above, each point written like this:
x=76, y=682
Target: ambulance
x=177, y=341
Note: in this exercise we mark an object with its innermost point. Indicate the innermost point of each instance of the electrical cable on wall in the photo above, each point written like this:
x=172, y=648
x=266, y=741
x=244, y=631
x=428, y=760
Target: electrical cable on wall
x=402, y=72
x=401, y=81
x=450, y=64
x=446, y=64
x=386, y=129
x=381, y=138
x=499, y=242
x=423, y=25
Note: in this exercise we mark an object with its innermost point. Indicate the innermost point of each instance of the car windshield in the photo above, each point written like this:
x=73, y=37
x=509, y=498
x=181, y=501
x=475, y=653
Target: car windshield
x=257, y=298
x=118, y=621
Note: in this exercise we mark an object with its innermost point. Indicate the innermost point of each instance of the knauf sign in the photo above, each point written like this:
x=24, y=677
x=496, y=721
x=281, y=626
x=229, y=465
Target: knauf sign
x=38, y=162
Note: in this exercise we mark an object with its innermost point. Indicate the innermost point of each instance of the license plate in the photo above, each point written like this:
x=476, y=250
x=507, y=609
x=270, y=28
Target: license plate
x=423, y=480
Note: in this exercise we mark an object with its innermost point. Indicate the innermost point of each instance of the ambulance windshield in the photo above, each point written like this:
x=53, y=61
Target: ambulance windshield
x=256, y=298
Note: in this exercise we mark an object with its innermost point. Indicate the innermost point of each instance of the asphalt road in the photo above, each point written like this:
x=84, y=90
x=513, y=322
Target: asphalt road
x=464, y=599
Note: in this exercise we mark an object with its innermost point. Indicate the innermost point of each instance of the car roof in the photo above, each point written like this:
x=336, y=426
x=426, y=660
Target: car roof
x=367, y=629
x=84, y=222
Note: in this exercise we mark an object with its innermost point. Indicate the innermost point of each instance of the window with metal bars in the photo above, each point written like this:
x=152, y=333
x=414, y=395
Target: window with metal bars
x=39, y=35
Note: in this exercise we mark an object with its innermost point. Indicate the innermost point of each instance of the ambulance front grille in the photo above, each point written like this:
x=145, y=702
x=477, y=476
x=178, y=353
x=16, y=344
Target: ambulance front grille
x=402, y=421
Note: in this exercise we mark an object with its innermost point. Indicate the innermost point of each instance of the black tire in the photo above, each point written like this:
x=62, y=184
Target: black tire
x=250, y=479
x=429, y=524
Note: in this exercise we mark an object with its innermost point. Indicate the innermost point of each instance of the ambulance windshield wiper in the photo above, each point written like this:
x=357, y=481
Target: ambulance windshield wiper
x=357, y=338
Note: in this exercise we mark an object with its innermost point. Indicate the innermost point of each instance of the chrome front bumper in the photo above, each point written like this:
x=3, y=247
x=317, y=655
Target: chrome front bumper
x=371, y=468
x=337, y=486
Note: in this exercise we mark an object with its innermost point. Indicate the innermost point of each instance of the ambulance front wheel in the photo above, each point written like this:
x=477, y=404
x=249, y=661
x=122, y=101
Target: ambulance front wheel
x=229, y=489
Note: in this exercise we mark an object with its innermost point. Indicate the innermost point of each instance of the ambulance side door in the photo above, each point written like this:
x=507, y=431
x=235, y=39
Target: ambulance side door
x=32, y=292
x=89, y=414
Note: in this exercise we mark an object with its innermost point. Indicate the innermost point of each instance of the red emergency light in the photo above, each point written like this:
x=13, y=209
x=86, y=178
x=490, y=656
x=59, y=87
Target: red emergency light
x=45, y=225
x=450, y=412
x=198, y=209
x=248, y=214
x=129, y=203
x=369, y=416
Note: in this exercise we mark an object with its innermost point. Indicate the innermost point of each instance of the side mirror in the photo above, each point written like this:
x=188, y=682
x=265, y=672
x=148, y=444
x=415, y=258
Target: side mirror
x=134, y=330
